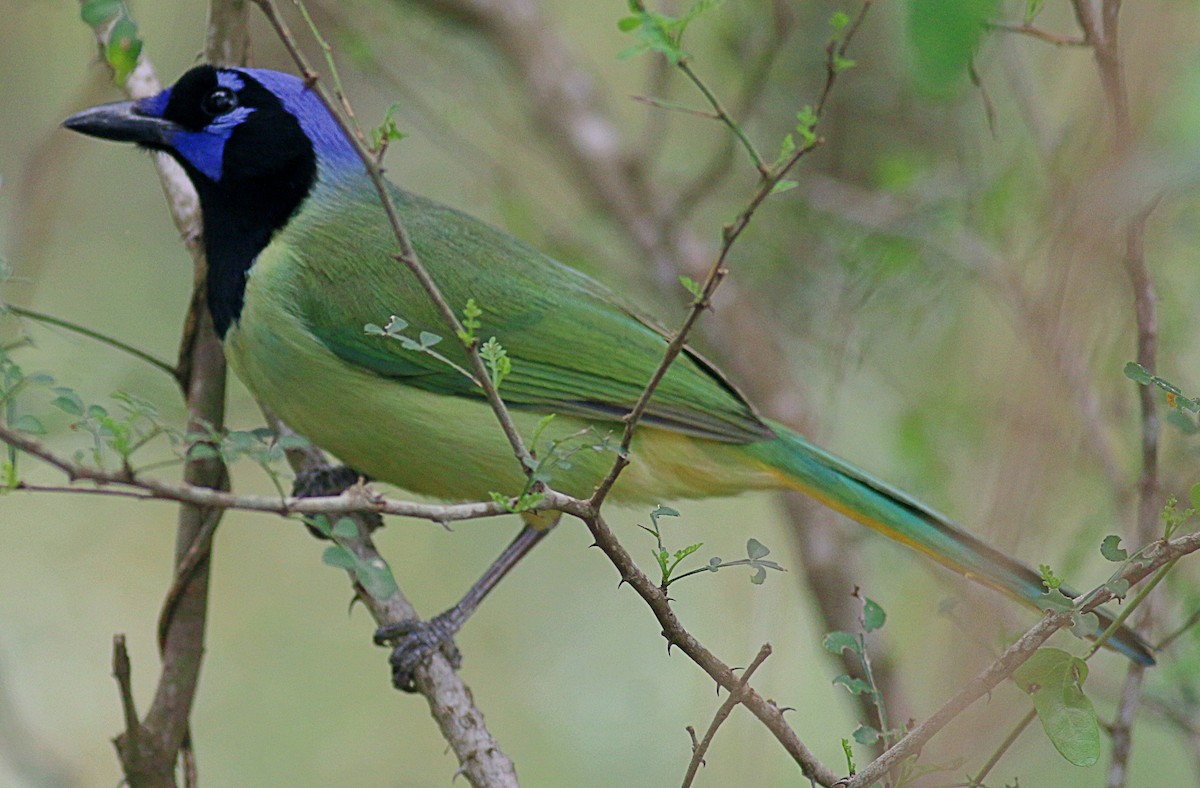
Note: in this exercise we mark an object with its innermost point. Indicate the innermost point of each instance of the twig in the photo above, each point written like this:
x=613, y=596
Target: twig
x=1004, y=747
x=1180, y=630
x=1040, y=34
x=735, y=697
x=353, y=500
x=669, y=106
x=113, y=342
x=157, y=741
x=124, y=676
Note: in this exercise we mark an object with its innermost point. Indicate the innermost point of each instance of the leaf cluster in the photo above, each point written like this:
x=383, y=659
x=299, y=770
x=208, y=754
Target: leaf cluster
x=373, y=575
x=113, y=23
x=668, y=561
x=659, y=32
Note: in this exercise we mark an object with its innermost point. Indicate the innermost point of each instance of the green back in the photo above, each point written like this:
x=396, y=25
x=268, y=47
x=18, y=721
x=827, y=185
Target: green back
x=576, y=347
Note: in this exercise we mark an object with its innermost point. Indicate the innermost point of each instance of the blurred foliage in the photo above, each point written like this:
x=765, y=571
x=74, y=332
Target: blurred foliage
x=948, y=296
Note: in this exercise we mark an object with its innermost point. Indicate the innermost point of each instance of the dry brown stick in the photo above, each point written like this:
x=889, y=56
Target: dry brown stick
x=150, y=751
x=722, y=714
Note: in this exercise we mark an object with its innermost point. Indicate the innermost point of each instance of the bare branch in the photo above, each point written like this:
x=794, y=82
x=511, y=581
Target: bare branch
x=735, y=697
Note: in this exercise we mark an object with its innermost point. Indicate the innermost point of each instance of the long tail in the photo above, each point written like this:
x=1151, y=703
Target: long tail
x=877, y=505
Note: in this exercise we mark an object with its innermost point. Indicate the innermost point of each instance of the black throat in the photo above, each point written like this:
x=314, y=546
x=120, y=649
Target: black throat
x=240, y=218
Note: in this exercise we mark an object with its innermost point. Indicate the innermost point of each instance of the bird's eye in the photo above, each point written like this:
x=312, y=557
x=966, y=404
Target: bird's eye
x=219, y=102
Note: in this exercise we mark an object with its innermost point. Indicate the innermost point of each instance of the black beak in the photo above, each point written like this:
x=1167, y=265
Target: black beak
x=121, y=122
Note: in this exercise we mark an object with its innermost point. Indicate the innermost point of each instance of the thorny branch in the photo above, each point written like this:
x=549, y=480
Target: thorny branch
x=722, y=714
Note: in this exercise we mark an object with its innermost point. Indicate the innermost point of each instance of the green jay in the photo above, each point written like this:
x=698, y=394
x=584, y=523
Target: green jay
x=301, y=259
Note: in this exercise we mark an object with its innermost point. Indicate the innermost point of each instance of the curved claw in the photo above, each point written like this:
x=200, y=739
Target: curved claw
x=414, y=642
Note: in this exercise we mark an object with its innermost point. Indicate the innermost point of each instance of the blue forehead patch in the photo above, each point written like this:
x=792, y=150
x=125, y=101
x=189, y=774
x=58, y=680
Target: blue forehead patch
x=154, y=106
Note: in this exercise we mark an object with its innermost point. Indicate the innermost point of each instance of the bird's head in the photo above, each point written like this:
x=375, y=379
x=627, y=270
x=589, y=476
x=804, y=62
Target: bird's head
x=253, y=142
x=228, y=127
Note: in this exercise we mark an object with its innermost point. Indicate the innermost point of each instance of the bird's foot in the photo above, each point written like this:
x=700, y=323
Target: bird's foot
x=320, y=482
x=414, y=642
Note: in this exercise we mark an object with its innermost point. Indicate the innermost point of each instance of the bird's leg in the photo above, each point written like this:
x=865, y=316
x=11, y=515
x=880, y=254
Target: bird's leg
x=414, y=641
x=330, y=480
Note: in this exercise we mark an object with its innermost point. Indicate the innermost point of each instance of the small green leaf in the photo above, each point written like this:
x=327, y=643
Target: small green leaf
x=1049, y=579
x=756, y=549
x=628, y=24
x=376, y=578
x=1138, y=374
x=1085, y=625
x=69, y=405
x=838, y=22
x=866, y=735
x=345, y=528
x=1118, y=586
x=1111, y=549
x=1182, y=422
x=1194, y=496
x=387, y=131
x=873, y=615
x=1054, y=680
x=203, y=451
x=124, y=46
x=319, y=523
x=336, y=555
x=292, y=441
x=428, y=339
x=692, y=286
x=783, y=186
x=99, y=12
x=836, y=642
x=29, y=424
x=841, y=64
x=853, y=686
x=1055, y=600
x=663, y=511
x=371, y=328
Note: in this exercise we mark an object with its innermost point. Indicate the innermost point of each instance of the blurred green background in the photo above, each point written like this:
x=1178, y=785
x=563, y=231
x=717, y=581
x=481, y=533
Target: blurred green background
x=945, y=295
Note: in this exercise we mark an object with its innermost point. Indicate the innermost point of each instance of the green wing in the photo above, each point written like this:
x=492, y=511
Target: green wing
x=576, y=348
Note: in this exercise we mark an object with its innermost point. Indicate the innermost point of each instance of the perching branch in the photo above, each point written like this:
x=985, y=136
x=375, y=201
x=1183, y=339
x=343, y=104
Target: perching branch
x=147, y=488
x=461, y=722
x=150, y=752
